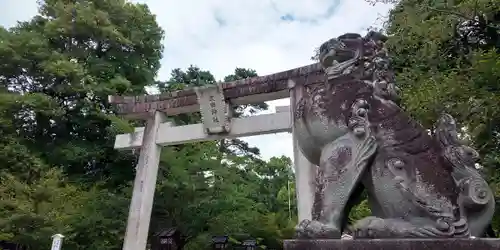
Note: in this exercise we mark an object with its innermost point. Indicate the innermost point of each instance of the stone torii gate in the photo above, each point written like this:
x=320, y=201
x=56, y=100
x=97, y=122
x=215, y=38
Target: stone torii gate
x=213, y=101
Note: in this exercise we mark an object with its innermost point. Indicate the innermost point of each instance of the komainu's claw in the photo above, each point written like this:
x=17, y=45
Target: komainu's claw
x=308, y=229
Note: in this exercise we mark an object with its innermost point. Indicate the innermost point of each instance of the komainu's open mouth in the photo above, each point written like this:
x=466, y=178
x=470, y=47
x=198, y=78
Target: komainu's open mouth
x=335, y=54
x=336, y=57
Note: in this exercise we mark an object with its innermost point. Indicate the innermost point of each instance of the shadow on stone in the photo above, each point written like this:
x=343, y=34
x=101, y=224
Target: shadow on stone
x=394, y=244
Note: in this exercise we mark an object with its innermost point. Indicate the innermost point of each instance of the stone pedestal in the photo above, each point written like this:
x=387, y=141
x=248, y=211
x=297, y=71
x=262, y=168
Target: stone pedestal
x=394, y=244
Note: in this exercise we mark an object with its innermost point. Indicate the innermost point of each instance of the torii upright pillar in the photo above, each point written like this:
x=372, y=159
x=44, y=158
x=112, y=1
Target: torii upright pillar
x=144, y=185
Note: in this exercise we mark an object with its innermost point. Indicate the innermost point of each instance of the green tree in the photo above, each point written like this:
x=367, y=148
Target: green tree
x=32, y=211
x=59, y=172
x=194, y=76
x=214, y=188
x=65, y=62
x=57, y=156
x=236, y=145
x=446, y=54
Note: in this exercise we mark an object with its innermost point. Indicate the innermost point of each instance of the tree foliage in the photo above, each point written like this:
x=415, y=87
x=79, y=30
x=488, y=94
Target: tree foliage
x=59, y=172
x=446, y=55
x=446, y=58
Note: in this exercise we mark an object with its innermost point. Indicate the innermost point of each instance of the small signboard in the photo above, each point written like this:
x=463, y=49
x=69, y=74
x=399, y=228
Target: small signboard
x=213, y=108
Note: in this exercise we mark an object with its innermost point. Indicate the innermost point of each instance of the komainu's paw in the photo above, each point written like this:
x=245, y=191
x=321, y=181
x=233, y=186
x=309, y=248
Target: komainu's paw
x=369, y=227
x=374, y=227
x=308, y=229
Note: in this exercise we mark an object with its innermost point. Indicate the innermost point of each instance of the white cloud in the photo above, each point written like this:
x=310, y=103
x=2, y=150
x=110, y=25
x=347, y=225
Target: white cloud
x=220, y=35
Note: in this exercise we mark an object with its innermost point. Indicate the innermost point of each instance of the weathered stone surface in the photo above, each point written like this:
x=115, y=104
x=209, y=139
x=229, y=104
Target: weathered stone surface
x=419, y=185
x=185, y=101
x=394, y=244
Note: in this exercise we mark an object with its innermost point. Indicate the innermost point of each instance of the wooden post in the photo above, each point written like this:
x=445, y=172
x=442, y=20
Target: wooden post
x=144, y=186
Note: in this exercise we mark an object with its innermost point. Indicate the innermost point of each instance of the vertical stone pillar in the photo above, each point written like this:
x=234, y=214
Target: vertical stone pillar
x=57, y=241
x=304, y=170
x=144, y=186
x=303, y=187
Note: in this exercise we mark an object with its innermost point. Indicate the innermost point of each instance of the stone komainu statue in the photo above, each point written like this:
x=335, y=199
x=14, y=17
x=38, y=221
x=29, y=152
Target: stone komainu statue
x=351, y=127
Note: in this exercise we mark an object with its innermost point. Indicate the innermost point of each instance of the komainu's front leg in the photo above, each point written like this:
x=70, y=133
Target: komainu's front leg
x=342, y=165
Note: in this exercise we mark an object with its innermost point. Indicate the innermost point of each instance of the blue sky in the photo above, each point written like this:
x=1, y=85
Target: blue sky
x=220, y=35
